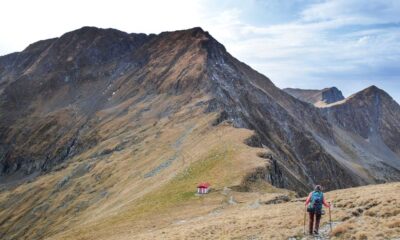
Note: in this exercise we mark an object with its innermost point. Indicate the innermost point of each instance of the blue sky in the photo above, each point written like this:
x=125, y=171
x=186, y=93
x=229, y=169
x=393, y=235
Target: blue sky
x=351, y=44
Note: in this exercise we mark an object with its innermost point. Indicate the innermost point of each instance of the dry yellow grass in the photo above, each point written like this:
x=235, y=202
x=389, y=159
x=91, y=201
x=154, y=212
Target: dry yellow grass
x=368, y=212
x=223, y=162
x=211, y=217
x=94, y=197
x=394, y=224
x=342, y=229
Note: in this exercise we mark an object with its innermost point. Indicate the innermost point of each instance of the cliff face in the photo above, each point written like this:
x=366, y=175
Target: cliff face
x=366, y=128
x=290, y=128
x=368, y=113
x=370, y=119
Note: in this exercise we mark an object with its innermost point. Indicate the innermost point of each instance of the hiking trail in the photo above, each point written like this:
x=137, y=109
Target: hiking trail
x=324, y=232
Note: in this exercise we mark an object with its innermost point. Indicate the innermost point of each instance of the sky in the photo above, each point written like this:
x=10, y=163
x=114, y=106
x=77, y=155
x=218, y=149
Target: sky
x=313, y=44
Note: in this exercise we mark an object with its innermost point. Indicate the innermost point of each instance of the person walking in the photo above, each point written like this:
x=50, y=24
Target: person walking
x=314, y=203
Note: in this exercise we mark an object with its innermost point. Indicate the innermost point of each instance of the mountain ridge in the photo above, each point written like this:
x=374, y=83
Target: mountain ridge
x=131, y=56
x=318, y=98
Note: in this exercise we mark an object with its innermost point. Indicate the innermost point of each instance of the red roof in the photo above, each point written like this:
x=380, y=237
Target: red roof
x=203, y=185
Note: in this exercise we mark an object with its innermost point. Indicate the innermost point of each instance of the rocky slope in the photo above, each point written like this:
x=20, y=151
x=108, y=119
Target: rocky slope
x=370, y=113
x=366, y=130
x=51, y=90
x=316, y=97
x=100, y=124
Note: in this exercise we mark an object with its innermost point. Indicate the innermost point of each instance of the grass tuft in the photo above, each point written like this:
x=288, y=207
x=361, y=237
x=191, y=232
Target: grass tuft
x=342, y=229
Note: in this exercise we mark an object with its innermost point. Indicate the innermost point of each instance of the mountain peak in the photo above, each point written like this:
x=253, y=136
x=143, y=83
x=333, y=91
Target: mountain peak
x=90, y=33
x=331, y=95
x=371, y=91
x=333, y=88
x=196, y=30
x=373, y=87
x=86, y=29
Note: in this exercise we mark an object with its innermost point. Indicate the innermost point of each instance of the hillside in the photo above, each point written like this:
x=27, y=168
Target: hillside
x=106, y=133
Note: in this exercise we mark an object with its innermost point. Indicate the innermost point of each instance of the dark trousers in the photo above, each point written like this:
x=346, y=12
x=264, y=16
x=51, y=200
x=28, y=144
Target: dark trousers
x=317, y=220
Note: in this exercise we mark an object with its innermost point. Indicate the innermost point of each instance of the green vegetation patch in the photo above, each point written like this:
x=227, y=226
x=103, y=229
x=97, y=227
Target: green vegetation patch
x=182, y=188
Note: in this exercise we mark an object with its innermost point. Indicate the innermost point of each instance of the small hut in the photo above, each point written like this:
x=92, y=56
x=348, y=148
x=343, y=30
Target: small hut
x=203, y=188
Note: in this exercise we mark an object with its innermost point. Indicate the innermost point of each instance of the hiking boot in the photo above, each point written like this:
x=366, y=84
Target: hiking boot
x=315, y=232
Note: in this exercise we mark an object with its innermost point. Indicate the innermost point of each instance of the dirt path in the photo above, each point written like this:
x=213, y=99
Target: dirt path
x=323, y=232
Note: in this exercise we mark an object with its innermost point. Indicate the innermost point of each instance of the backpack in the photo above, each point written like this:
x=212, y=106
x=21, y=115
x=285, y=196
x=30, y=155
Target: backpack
x=315, y=205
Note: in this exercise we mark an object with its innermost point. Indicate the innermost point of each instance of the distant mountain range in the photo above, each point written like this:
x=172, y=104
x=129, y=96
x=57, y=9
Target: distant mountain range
x=317, y=97
x=98, y=94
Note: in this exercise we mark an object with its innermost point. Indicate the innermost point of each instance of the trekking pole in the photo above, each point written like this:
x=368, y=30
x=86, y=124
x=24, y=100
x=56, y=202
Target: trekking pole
x=330, y=218
x=304, y=225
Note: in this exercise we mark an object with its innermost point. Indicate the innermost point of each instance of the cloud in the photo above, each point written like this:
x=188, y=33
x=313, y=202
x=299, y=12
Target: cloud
x=344, y=43
x=296, y=43
x=354, y=11
x=23, y=21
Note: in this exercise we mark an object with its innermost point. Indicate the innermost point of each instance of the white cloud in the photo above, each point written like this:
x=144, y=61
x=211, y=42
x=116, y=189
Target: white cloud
x=357, y=41
x=354, y=11
x=23, y=21
x=334, y=42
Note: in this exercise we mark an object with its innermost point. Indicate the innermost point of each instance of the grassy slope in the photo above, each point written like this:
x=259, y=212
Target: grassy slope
x=370, y=212
x=103, y=190
x=220, y=157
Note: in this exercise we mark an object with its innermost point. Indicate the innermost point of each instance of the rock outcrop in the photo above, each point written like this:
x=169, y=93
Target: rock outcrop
x=316, y=97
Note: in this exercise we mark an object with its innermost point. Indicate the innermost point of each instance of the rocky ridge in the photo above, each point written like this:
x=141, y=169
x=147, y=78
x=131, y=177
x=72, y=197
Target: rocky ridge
x=318, y=98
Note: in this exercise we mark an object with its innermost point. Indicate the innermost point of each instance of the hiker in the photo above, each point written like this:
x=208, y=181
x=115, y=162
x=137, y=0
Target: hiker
x=314, y=201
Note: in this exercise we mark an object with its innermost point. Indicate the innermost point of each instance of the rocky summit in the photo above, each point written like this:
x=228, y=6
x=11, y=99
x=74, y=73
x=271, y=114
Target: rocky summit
x=316, y=97
x=103, y=127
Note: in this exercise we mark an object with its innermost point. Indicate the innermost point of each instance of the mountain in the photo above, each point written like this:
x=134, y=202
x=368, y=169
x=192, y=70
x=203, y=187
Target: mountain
x=316, y=97
x=370, y=113
x=366, y=131
x=368, y=120
x=55, y=99
x=103, y=127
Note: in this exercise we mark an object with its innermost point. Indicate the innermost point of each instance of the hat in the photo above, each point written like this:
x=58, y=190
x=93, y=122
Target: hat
x=318, y=188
